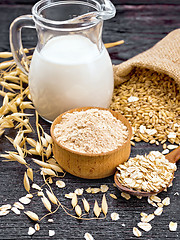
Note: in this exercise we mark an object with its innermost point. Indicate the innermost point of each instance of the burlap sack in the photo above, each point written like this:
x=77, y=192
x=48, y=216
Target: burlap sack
x=163, y=57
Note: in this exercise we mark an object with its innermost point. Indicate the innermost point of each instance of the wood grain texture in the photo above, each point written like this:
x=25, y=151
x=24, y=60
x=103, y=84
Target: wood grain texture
x=141, y=26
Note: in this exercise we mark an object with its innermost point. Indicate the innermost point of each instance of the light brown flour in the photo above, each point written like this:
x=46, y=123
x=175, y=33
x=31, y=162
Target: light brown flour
x=92, y=131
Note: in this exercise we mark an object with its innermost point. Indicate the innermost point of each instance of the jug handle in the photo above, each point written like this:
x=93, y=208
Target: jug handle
x=16, y=41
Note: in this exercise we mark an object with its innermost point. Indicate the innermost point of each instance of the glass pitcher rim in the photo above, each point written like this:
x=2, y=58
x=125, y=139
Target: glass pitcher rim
x=53, y=24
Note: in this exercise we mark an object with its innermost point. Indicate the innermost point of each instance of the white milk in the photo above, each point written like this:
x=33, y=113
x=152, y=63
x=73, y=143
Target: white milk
x=70, y=72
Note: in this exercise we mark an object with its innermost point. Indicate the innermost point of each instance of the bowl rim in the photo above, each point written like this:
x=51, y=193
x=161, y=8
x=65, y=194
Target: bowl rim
x=125, y=122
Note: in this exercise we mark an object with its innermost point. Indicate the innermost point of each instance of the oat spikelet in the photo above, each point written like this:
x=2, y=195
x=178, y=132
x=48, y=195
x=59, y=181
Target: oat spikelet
x=51, y=197
x=41, y=163
x=74, y=200
x=48, y=138
x=56, y=168
x=48, y=151
x=86, y=205
x=32, y=215
x=78, y=210
x=46, y=203
x=96, y=209
x=26, y=182
x=30, y=173
x=104, y=205
x=47, y=171
x=18, y=158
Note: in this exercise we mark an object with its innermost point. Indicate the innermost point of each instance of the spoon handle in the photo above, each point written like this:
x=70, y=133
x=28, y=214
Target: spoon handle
x=174, y=156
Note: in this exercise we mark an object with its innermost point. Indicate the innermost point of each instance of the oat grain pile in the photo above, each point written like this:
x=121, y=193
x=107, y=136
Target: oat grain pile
x=151, y=102
x=92, y=131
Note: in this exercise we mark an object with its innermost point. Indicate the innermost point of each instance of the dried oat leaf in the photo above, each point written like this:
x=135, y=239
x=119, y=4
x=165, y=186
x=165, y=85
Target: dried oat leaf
x=78, y=210
x=104, y=205
x=86, y=205
x=96, y=209
x=51, y=197
x=74, y=200
x=30, y=173
x=26, y=182
x=32, y=215
x=46, y=203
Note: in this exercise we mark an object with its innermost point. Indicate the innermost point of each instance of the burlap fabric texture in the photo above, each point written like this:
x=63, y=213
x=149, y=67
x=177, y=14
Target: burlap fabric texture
x=163, y=57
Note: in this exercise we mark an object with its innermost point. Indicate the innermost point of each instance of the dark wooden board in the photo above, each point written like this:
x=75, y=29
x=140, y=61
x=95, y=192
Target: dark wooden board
x=141, y=26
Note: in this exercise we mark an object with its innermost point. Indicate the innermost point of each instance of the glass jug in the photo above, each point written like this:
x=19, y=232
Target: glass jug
x=70, y=66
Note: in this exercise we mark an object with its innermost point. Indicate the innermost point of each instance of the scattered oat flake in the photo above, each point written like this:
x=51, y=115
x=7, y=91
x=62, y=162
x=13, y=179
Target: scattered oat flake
x=69, y=195
x=143, y=214
x=31, y=231
x=173, y=226
x=176, y=193
x=95, y=190
x=113, y=195
x=25, y=200
x=158, y=211
x=147, y=218
x=40, y=194
x=37, y=227
x=104, y=188
x=125, y=195
x=88, y=190
x=88, y=236
x=35, y=186
x=18, y=205
x=166, y=201
x=50, y=220
x=151, y=202
x=51, y=233
x=136, y=232
x=145, y=226
x=160, y=204
x=139, y=197
x=123, y=225
x=154, y=198
x=79, y=191
x=172, y=135
x=29, y=195
x=60, y=184
x=15, y=210
x=114, y=216
x=5, y=207
x=4, y=212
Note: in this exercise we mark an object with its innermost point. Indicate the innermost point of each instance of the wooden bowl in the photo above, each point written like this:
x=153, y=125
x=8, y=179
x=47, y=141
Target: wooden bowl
x=91, y=166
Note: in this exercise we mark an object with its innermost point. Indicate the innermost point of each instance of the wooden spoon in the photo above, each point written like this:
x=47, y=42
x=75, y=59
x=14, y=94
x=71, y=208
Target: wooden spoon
x=173, y=157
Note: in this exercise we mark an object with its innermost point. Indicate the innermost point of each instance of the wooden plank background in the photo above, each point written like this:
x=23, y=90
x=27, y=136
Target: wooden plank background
x=141, y=24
